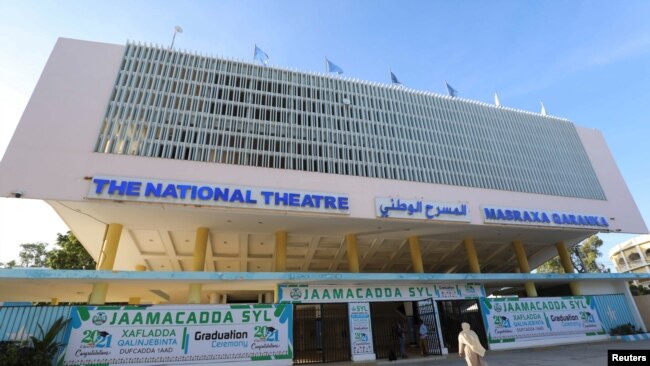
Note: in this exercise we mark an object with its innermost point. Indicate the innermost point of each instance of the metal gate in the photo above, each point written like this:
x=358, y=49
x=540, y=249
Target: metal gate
x=321, y=333
x=455, y=312
x=427, y=313
x=385, y=316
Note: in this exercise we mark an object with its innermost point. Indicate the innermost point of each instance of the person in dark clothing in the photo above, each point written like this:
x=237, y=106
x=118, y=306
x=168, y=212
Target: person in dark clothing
x=401, y=337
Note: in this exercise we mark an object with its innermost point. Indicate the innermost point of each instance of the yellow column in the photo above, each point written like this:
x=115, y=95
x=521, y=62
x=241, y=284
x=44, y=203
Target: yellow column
x=268, y=297
x=198, y=264
x=353, y=255
x=106, y=262
x=531, y=291
x=416, y=255
x=565, y=259
x=136, y=300
x=280, y=251
x=109, y=250
x=98, y=295
x=472, y=258
x=54, y=301
x=200, y=246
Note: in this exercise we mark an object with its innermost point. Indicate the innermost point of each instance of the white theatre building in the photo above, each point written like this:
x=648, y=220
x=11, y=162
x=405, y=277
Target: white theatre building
x=195, y=179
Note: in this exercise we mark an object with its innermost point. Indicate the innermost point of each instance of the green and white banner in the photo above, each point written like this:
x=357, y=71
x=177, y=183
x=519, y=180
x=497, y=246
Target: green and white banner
x=360, y=331
x=515, y=320
x=289, y=293
x=183, y=334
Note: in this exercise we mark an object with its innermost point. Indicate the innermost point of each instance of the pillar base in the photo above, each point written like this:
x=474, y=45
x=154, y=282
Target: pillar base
x=195, y=294
x=576, y=290
x=531, y=290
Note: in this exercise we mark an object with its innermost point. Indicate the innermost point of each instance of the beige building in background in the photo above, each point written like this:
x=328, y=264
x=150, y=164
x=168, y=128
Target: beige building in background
x=633, y=256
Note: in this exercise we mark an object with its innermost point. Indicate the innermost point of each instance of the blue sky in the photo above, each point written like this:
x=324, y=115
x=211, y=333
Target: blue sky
x=588, y=61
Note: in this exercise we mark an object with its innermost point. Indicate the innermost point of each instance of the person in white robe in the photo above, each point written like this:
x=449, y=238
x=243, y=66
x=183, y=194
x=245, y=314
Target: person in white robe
x=470, y=347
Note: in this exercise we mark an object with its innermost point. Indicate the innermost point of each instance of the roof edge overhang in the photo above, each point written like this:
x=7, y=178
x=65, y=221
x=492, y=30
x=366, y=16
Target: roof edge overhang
x=293, y=277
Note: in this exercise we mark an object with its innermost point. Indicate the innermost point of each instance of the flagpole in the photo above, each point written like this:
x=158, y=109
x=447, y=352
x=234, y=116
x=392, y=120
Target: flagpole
x=177, y=29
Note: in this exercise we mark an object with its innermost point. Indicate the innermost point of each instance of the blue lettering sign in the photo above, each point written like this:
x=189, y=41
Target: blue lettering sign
x=109, y=188
x=307, y=201
x=120, y=188
x=100, y=185
x=205, y=193
x=541, y=217
x=170, y=191
x=557, y=219
x=294, y=199
x=220, y=194
x=237, y=196
x=267, y=197
x=152, y=189
x=490, y=214
x=183, y=189
x=343, y=203
x=133, y=189
x=330, y=202
x=249, y=199
x=317, y=199
x=281, y=198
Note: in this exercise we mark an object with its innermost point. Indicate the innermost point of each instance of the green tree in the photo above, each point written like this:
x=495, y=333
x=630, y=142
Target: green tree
x=589, y=250
x=69, y=254
x=33, y=254
x=11, y=264
x=552, y=265
x=639, y=290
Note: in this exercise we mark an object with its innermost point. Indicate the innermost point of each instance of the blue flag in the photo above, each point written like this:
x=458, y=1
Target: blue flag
x=451, y=91
x=261, y=56
x=331, y=67
x=394, y=79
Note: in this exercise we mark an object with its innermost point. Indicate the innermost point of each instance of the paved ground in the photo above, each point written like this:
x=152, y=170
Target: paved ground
x=593, y=354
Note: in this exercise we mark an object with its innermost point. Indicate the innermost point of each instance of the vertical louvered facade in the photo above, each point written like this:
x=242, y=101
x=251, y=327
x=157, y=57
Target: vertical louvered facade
x=177, y=105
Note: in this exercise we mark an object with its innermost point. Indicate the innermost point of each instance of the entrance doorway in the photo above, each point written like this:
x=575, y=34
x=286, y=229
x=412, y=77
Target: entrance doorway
x=455, y=312
x=321, y=333
x=386, y=315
